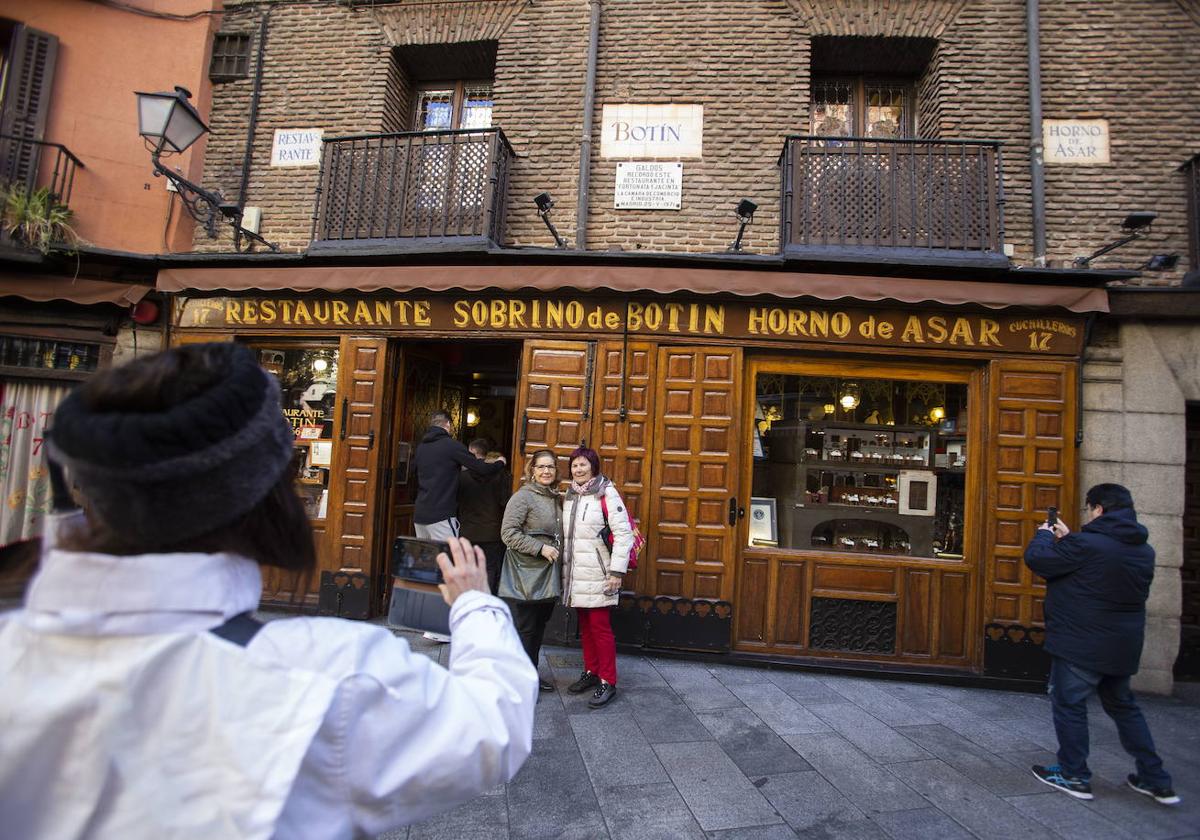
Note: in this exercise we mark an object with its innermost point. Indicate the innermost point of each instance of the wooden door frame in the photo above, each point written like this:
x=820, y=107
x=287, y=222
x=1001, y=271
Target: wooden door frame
x=974, y=375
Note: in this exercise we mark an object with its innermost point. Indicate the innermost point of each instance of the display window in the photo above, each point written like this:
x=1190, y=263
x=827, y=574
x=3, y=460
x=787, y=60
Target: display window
x=308, y=381
x=863, y=464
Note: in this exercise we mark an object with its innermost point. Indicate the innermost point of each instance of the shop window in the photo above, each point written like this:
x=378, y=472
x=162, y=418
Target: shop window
x=19, y=352
x=865, y=465
x=230, y=57
x=308, y=381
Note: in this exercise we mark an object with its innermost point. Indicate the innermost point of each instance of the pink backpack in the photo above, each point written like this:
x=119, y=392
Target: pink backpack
x=639, y=541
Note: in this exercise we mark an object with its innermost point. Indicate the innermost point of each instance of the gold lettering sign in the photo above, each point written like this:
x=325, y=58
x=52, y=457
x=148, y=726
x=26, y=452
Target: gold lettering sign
x=469, y=315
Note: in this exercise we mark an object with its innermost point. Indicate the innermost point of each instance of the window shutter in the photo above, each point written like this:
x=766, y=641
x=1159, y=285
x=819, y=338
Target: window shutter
x=26, y=102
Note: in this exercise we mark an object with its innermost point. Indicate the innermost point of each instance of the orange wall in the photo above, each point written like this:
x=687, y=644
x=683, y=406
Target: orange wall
x=104, y=55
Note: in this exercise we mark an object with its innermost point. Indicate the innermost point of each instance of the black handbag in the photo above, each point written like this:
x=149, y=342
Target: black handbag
x=530, y=577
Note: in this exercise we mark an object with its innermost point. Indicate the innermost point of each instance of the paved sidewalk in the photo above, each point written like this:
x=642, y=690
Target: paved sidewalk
x=690, y=750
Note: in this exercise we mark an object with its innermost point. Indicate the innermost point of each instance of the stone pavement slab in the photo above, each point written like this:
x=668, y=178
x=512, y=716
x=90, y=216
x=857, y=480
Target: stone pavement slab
x=702, y=750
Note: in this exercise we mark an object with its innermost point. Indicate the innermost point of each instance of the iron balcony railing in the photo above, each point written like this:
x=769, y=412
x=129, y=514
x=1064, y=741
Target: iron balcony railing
x=413, y=184
x=870, y=193
x=36, y=164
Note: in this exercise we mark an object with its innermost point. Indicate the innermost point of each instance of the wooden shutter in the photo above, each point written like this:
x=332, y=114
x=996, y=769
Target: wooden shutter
x=696, y=443
x=624, y=444
x=26, y=102
x=1032, y=429
x=554, y=398
x=355, y=474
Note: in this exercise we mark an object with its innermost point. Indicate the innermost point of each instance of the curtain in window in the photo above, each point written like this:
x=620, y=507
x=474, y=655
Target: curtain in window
x=25, y=412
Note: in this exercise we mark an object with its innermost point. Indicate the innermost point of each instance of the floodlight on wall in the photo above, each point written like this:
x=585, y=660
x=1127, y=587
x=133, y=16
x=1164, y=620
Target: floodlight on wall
x=170, y=125
x=1161, y=262
x=745, y=215
x=544, y=205
x=1136, y=225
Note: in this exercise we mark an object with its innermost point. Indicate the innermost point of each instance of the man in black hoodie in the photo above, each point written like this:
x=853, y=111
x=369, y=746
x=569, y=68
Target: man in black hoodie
x=481, y=501
x=438, y=460
x=1097, y=582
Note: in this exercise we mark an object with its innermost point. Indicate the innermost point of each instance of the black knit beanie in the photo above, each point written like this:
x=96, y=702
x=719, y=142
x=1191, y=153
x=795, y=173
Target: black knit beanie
x=163, y=477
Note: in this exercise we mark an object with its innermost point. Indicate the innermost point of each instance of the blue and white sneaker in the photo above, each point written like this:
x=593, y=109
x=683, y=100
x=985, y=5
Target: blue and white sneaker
x=1070, y=785
x=1163, y=796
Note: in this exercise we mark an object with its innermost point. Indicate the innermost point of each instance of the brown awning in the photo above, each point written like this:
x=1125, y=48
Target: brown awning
x=45, y=288
x=663, y=280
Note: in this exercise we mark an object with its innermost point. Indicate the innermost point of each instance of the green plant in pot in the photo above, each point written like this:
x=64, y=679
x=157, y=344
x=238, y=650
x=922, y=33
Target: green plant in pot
x=37, y=218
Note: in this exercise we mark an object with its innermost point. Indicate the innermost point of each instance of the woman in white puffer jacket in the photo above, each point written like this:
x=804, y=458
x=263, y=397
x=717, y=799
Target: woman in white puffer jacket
x=591, y=573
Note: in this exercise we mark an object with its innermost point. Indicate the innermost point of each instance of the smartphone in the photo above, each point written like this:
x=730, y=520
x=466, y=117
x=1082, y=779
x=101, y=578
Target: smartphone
x=1052, y=517
x=416, y=559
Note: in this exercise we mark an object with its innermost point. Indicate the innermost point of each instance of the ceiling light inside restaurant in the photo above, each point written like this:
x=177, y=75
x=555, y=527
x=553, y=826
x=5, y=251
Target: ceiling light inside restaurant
x=850, y=396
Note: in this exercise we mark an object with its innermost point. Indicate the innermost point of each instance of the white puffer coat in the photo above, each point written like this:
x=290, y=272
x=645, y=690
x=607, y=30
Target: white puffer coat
x=587, y=557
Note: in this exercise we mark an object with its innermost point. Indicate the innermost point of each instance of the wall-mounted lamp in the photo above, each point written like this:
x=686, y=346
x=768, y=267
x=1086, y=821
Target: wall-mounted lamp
x=544, y=204
x=1161, y=262
x=320, y=364
x=745, y=215
x=1136, y=225
x=850, y=396
x=829, y=408
x=169, y=124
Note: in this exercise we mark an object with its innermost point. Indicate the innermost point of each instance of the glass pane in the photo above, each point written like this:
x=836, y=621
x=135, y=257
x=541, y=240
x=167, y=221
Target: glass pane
x=832, y=109
x=477, y=107
x=873, y=466
x=308, y=379
x=887, y=107
x=434, y=109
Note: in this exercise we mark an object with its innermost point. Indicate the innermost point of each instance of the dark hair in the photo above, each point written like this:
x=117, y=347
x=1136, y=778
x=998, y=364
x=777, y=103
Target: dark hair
x=480, y=446
x=590, y=455
x=1110, y=497
x=439, y=417
x=273, y=532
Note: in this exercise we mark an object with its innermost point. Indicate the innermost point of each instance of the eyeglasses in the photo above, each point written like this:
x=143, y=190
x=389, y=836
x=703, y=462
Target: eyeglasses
x=544, y=467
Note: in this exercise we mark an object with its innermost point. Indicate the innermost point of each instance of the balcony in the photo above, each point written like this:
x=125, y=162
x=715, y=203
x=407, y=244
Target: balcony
x=919, y=201
x=31, y=166
x=411, y=190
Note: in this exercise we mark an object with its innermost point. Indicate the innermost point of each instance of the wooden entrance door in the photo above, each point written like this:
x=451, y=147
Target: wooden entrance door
x=695, y=468
x=554, y=399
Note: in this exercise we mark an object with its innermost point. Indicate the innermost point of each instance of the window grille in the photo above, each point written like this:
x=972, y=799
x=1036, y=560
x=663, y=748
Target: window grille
x=230, y=56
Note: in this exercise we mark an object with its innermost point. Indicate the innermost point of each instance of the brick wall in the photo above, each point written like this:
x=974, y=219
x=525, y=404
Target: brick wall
x=1130, y=61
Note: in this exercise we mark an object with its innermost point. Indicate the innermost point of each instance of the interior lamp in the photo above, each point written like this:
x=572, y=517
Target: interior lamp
x=472, y=417
x=937, y=413
x=850, y=396
x=320, y=364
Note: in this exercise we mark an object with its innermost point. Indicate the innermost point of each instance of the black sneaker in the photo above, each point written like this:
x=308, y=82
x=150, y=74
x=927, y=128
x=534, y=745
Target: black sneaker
x=602, y=695
x=1070, y=785
x=1163, y=796
x=545, y=685
x=586, y=680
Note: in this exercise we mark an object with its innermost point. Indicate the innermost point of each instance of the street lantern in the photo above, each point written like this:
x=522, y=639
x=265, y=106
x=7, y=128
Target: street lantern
x=168, y=120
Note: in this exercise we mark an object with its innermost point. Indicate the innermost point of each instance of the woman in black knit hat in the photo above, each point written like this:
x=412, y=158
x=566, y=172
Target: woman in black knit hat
x=140, y=699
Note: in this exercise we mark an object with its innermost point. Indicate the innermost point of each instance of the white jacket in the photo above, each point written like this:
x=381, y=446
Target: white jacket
x=124, y=718
x=589, y=560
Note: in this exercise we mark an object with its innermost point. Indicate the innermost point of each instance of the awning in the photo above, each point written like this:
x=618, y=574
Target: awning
x=45, y=288
x=614, y=278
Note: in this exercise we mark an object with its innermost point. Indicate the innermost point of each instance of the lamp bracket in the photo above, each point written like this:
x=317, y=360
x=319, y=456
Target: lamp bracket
x=205, y=206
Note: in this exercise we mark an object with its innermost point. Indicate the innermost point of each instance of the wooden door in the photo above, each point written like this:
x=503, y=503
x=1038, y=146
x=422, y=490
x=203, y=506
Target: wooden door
x=554, y=399
x=623, y=426
x=695, y=467
x=356, y=468
x=1032, y=430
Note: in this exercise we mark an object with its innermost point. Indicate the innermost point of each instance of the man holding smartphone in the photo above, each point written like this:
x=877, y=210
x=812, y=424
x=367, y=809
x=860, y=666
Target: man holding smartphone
x=1097, y=582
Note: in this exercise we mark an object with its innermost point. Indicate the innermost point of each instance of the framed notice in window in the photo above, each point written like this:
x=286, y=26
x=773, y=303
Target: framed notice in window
x=918, y=492
x=763, y=528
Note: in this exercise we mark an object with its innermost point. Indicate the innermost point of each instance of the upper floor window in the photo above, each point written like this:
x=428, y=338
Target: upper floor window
x=861, y=107
x=230, y=56
x=453, y=105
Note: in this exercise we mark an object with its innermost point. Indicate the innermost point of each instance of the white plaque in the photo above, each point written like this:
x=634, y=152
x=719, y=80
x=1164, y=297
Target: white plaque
x=1075, y=141
x=296, y=147
x=648, y=185
x=652, y=131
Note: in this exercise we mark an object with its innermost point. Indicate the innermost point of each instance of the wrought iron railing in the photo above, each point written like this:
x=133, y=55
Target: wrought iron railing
x=413, y=184
x=862, y=192
x=37, y=164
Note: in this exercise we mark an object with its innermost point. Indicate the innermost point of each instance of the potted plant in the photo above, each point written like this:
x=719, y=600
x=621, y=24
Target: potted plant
x=37, y=219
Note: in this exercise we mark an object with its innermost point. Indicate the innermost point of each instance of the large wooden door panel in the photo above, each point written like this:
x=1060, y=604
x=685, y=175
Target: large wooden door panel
x=1032, y=423
x=553, y=400
x=695, y=469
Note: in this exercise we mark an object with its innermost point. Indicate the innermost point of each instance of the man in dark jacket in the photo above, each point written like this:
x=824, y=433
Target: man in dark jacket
x=439, y=459
x=481, y=501
x=1097, y=582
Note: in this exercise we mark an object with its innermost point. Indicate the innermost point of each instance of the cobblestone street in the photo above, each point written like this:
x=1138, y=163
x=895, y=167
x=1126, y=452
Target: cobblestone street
x=697, y=750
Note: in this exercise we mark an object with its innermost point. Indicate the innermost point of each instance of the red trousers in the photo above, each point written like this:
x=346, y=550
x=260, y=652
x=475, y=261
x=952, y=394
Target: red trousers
x=599, y=646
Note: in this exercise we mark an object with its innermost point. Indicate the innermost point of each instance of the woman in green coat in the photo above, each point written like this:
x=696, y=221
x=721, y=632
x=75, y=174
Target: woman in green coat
x=532, y=531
